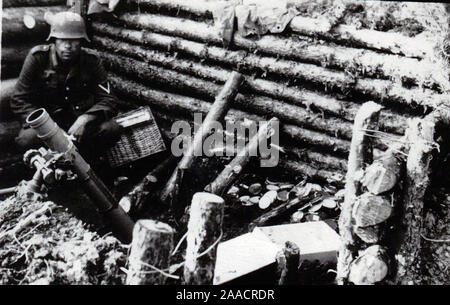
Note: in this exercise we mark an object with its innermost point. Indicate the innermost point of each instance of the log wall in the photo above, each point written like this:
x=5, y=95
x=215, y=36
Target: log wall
x=168, y=54
x=17, y=38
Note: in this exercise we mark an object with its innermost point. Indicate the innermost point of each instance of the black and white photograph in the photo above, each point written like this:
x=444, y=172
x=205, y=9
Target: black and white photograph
x=236, y=145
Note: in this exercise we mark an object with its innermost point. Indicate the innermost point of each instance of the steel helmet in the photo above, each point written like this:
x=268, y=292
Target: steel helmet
x=67, y=25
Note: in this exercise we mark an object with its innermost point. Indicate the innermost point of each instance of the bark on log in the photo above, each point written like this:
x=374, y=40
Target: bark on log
x=151, y=246
x=389, y=121
x=388, y=42
x=14, y=29
x=382, y=90
x=204, y=233
x=360, y=154
x=217, y=111
x=235, y=167
x=139, y=195
x=15, y=54
x=329, y=176
x=370, y=267
x=283, y=209
x=28, y=3
x=288, y=262
x=420, y=134
x=370, y=210
x=173, y=102
x=260, y=105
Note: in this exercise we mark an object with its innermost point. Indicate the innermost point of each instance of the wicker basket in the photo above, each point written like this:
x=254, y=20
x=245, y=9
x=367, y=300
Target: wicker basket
x=141, y=138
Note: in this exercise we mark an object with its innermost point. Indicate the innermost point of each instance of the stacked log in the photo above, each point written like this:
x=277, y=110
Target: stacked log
x=23, y=27
x=313, y=78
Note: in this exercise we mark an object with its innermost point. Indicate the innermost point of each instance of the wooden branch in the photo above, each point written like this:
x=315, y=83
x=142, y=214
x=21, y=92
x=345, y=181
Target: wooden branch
x=217, y=111
x=360, y=154
x=420, y=134
x=288, y=262
x=141, y=192
x=204, y=232
x=235, y=167
x=150, y=250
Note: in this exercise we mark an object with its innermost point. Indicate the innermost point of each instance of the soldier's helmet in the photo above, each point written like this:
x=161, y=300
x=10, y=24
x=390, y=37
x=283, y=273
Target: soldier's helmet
x=67, y=25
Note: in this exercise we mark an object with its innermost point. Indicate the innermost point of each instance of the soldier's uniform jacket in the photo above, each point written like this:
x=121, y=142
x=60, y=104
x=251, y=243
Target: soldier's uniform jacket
x=64, y=94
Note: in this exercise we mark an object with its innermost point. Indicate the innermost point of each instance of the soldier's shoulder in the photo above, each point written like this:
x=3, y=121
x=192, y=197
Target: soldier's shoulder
x=43, y=48
x=91, y=58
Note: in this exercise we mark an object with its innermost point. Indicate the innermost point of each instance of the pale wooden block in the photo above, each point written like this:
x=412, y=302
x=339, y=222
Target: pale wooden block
x=241, y=255
x=316, y=240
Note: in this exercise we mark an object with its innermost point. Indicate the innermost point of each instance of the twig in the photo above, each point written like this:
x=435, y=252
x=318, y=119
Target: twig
x=435, y=240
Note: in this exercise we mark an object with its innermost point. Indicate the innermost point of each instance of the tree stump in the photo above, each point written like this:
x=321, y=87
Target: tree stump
x=204, y=231
x=151, y=246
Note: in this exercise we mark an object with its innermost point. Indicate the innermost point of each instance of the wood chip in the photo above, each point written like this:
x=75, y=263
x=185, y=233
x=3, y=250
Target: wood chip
x=272, y=187
x=255, y=188
x=283, y=196
x=233, y=190
x=315, y=208
x=286, y=186
x=297, y=216
x=267, y=199
x=255, y=199
x=329, y=203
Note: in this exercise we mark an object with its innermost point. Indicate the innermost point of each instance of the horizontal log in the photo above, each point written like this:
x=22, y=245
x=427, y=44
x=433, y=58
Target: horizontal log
x=394, y=43
x=316, y=159
x=391, y=122
x=15, y=54
x=312, y=172
x=177, y=103
x=27, y=3
x=259, y=105
x=14, y=29
x=378, y=89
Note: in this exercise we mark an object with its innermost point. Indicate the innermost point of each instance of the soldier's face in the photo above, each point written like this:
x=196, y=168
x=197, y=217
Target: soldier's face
x=67, y=49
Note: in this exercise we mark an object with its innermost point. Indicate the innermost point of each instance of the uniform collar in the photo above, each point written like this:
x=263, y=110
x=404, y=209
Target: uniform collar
x=74, y=68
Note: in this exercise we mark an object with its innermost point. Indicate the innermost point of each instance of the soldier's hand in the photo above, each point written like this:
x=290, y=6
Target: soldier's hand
x=79, y=127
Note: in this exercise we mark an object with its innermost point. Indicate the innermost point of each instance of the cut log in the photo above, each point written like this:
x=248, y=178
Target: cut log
x=288, y=262
x=388, y=42
x=370, y=235
x=420, y=134
x=217, y=111
x=360, y=154
x=235, y=167
x=283, y=209
x=370, y=210
x=370, y=267
x=150, y=253
x=15, y=54
x=173, y=102
x=139, y=195
x=14, y=29
x=20, y=3
x=204, y=233
x=383, y=174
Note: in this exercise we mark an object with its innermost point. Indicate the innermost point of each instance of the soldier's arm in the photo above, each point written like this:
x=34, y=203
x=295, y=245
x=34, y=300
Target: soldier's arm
x=26, y=89
x=105, y=102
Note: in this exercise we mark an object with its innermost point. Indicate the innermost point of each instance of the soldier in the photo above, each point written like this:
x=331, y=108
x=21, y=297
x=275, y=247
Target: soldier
x=70, y=84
